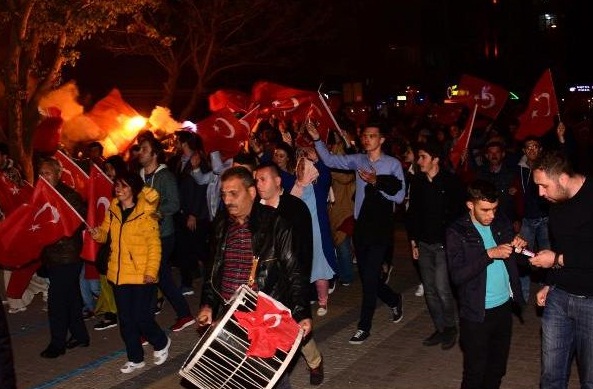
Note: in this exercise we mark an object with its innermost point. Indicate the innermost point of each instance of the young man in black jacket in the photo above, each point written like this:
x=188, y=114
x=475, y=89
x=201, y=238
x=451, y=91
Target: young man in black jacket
x=436, y=199
x=482, y=262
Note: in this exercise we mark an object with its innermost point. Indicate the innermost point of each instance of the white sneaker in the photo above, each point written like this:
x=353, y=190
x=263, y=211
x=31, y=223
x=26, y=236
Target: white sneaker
x=322, y=310
x=131, y=366
x=419, y=291
x=161, y=356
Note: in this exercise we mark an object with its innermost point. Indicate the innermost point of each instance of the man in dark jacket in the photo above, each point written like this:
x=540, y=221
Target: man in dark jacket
x=480, y=250
x=244, y=231
x=63, y=264
x=436, y=199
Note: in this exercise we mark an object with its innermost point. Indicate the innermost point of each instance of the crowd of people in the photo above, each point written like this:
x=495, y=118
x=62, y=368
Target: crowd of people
x=293, y=215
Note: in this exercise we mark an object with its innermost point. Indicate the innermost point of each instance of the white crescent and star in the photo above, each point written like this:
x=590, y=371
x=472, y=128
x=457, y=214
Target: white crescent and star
x=231, y=129
x=538, y=99
x=54, y=212
x=277, y=319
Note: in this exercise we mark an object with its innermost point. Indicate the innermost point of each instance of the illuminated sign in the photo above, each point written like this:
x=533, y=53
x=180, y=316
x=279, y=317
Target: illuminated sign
x=401, y=98
x=581, y=88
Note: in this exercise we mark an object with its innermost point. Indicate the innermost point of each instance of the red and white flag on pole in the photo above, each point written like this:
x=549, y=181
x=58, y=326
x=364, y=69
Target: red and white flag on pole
x=538, y=118
x=489, y=97
x=31, y=227
x=462, y=143
x=100, y=191
x=222, y=131
x=12, y=195
x=72, y=174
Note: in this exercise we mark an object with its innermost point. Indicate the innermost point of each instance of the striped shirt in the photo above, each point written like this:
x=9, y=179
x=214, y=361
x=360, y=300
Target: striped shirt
x=238, y=259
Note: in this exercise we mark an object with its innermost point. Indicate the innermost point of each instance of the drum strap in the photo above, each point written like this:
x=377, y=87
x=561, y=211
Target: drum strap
x=253, y=270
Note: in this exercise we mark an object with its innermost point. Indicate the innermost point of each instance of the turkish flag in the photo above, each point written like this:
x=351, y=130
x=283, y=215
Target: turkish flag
x=269, y=327
x=73, y=175
x=234, y=100
x=12, y=195
x=31, y=227
x=100, y=191
x=542, y=108
x=296, y=104
x=446, y=114
x=222, y=131
x=462, y=143
x=490, y=97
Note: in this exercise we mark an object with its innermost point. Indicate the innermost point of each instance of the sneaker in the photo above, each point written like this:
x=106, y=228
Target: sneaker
x=397, y=312
x=345, y=283
x=105, y=324
x=316, y=375
x=159, y=305
x=434, y=339
x=419, y=291
x=131, y=366
x=322, y=310
x=182, y=323
x=161, y=356
x=143, y=341
x=359, y=337
x=332, y=286
x=17, y=310
x=187, y=291
x=449, y=338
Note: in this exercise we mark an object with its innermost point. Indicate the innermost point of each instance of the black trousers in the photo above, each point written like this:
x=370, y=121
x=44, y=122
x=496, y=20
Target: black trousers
x=486, y=347
x=64, y=305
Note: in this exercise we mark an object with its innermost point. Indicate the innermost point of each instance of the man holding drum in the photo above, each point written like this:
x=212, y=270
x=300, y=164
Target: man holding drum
x=253, y=245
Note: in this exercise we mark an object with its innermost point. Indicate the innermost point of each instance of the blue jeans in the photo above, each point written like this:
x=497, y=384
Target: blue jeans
x=567, y=329
x=432, y=262
x=166, y=282
x=535, y=232
x=90, y=290
x=344, y=256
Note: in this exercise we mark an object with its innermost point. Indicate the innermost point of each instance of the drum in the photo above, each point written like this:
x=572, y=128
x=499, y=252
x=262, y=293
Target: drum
x=219, y=360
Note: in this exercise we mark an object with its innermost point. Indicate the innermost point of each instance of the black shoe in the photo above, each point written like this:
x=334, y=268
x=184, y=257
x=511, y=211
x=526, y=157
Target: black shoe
x=316, y=375
x=449, y=338
x=359, y=337
x=52, y=352
x=73, y=343
x=397, y=312
x=434, y=339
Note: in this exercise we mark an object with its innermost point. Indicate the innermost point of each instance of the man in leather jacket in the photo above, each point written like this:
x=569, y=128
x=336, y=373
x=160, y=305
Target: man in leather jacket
x=246, y=230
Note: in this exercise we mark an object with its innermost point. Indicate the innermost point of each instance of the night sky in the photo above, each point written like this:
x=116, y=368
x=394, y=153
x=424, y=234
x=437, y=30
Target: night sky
x=389, y=44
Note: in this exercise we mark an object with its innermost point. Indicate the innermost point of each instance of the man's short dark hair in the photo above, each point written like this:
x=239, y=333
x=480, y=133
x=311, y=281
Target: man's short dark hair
x=187, y=137
x=531, y=138
x=430, y=147
x=553, y=163
x=269, y=165
x=95, y=144
x=240, y=172
x=3, y=148
x=482, y=190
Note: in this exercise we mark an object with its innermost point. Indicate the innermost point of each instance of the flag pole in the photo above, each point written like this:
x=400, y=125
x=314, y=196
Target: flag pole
x=554, y=90
x=469, y=135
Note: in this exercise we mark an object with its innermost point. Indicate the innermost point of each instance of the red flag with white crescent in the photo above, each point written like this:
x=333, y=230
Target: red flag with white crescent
x=72, y=174
x=222, y=131
x=489, y=97
x=462, y=144
x=539, y=116
x=236, y=101
x=100, y=191
x=26, y=231
x=12, y=195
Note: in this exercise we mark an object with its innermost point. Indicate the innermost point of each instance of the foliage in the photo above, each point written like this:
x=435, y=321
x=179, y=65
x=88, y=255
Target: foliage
x=42, y=38
x=211, y=38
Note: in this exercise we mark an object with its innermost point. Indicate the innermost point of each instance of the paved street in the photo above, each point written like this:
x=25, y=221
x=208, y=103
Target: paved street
x=393, y=357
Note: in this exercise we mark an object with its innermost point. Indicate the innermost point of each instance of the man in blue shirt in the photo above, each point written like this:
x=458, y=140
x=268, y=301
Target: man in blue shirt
x=480, y=249
x=379, y=186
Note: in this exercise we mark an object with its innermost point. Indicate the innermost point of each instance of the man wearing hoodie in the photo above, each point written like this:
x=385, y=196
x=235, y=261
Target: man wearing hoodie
x=156, y=175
